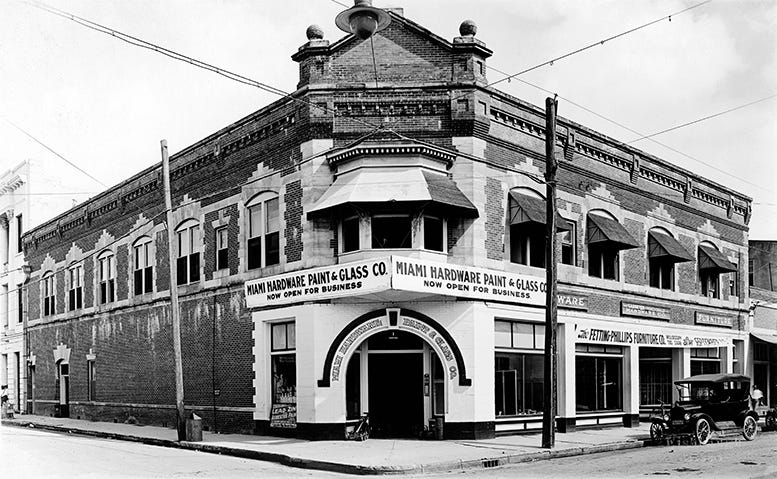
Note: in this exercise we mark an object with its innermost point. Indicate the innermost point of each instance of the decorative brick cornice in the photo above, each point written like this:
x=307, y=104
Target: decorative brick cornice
x=447, y=157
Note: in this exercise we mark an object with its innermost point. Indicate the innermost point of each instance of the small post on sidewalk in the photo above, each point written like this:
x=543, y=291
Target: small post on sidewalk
x=174, y=311
x=551, y=297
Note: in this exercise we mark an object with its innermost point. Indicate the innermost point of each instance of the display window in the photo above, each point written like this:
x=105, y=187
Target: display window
x=705, y=361
x=519, y=368
x=599, y=378
x=655, y=376
x=283, y=361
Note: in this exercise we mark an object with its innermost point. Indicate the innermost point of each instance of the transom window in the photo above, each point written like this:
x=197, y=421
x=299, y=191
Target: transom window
x=48, y=293
x=263, y=231
x=143, y=275
x=106, y=268
x=76, y=291
x=188, y=263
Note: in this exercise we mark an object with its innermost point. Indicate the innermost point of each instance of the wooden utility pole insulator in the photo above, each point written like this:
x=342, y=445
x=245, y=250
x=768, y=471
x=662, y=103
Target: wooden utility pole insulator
x=551, y=297
x=174, y=309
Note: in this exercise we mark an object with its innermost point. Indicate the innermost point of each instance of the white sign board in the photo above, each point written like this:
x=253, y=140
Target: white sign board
x=350, y=279
x=421, y=276
x=644, y=335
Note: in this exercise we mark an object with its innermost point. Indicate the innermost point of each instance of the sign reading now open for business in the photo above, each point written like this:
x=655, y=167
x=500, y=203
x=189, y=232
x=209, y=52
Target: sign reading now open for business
x=398, y=273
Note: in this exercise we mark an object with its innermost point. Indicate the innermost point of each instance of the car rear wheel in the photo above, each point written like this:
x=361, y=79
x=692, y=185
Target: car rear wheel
x=657, y=432
x=749, y=428
x=703, y=431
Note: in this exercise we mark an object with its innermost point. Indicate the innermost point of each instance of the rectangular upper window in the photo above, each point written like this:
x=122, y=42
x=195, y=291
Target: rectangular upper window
x=76, y=292
x=263, y=231
x=434, y=234
x=188, y=262
x=350, y=234
x=222, y=248
x=143, y=270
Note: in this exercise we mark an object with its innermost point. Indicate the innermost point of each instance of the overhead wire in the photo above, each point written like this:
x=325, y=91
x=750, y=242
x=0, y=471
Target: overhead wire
x=29, y=135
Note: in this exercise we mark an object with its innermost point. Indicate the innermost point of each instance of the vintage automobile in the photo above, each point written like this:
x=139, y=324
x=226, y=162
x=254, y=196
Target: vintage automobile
x=708, y=403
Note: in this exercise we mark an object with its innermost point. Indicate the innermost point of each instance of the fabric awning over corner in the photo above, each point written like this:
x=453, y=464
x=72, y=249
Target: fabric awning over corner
x=661, y=245
x=530, y=209
x=767, y=338
x=713, y=260
x=386, y=185
x=603, y=230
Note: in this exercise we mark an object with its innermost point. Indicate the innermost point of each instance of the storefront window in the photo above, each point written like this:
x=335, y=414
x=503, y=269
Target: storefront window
x=438, y=386
x=519, y=368
x=599, y=372
x=655, y=375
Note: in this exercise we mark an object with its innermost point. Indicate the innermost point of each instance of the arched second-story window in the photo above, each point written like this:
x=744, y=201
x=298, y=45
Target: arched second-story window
x=712, y=263
x=142, y=266
x=75, y=295
x=48, y=293
x=663, y=252
x=189, y=244
x=263, y=245
x=106, y=277
x=606, y=237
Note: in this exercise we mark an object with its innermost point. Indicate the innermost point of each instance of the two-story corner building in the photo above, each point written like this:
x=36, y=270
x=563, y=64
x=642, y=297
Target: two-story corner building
x=762, y=278
x=377, y=246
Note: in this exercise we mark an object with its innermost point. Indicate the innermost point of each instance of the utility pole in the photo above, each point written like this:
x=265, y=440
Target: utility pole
x=551, y=296
x=174, y=310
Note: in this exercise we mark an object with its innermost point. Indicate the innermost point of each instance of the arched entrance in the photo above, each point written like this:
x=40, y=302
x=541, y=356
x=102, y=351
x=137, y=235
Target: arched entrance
x=398, y=379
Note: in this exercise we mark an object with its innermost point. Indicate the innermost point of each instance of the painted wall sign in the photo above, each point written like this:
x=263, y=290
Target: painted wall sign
x=283, y=416
x=356, y=336
x=645, y=311
x=572, y=301
x=714, y=319
x=408, y=274
x=652, y=339
x=359, y=277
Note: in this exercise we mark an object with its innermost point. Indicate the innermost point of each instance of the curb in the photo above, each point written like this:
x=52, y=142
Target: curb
x=302, y=463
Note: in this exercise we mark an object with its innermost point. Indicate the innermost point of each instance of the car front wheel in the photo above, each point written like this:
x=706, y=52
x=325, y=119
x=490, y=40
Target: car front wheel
x=703, y=431
x=657, y=432
x=749, y=428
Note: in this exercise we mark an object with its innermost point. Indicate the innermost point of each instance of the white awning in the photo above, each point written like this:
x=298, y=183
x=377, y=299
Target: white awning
x=386, y=185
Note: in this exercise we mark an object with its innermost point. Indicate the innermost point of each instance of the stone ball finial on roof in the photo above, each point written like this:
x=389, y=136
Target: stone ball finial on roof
x=468, y=28
x=314, y=32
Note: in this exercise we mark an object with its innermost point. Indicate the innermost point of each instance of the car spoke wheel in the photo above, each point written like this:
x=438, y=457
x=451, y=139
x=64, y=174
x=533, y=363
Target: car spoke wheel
x=703, y=431
x=749, y=428
x=657, y=432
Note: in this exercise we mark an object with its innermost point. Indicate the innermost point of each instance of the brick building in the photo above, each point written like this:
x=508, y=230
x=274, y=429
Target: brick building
x=376, y=245
x=762, y=274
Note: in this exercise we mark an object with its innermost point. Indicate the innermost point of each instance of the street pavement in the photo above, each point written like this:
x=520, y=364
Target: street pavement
x=35, y=453
x=374, y=456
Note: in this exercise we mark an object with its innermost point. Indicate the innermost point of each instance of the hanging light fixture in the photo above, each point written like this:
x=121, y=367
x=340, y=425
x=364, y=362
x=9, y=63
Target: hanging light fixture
x=363, y=20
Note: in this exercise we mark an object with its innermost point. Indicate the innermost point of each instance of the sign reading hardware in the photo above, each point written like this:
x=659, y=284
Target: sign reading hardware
x=572, y=301
x=359, y=277
x=398, y=273
x=464, y=281
x=714, y=319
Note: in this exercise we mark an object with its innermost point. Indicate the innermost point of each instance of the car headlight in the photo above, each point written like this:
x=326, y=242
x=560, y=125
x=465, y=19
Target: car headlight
x=666, y=417
x=687, y=417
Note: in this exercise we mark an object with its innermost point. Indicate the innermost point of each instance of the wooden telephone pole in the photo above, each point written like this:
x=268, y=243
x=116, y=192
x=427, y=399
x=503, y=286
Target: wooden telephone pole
x=174, y=310
x=551, y=297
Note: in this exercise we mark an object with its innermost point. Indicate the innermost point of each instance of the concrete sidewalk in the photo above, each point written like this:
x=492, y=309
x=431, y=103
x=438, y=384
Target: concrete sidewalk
x=374, y=456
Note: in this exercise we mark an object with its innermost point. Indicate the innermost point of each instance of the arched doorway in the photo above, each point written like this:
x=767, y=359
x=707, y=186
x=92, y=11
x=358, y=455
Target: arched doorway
x=398, y=379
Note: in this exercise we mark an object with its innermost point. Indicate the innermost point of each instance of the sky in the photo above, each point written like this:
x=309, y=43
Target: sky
x=104, y=104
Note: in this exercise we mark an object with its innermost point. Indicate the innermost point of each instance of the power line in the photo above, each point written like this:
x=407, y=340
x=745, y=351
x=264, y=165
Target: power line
x=52, y=151
x=600, y=42
x=699, y=120
x=627, y=128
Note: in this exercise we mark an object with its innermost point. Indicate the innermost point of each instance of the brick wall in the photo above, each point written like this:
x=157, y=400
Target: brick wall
x=495, y=219
x=293, y=221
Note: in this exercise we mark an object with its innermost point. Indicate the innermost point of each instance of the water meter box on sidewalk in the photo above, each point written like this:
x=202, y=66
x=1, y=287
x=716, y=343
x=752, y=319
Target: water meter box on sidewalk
x=194, y=428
